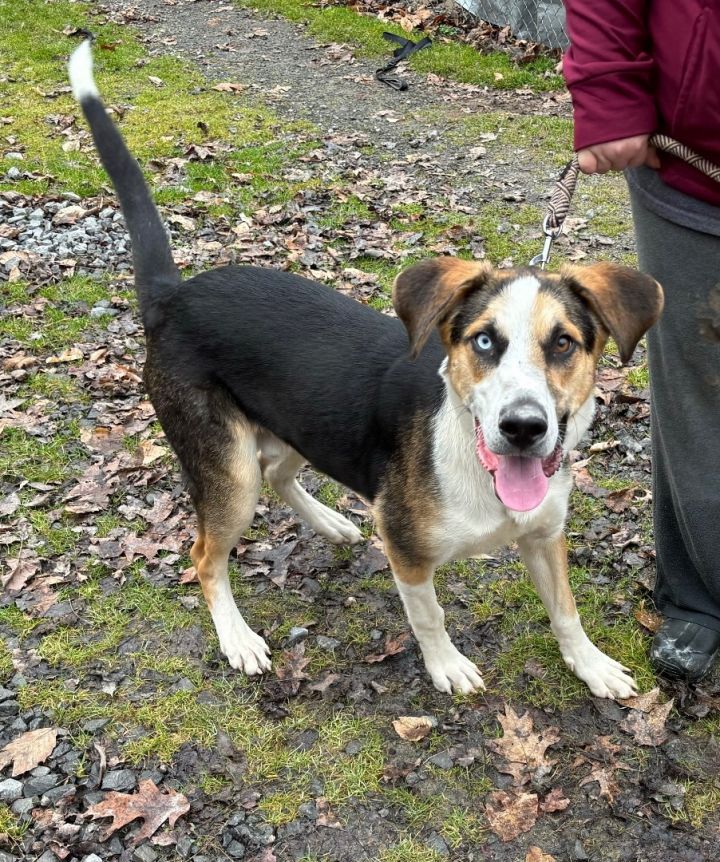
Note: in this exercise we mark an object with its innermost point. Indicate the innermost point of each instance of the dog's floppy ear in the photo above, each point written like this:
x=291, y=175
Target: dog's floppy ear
x=425, y=293
x=627, y=302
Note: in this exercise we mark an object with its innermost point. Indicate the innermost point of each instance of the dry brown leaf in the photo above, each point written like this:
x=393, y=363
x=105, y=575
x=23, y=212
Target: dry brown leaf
x=150, y=803
x=185, y=222
x=648, y=728
x=71, y=354
x=292, y=671
x=29, y=750
x=619, y=501
x=603, y=765
x=21, y=570
x=554, y=801
x=229, y=87
x=150, y=452
x=523, y=748
x=325, y=816
x=585, y=482
x=413, y=727
x=511, y=814
x=535, y=854
x=651, y=621
x=393, y=646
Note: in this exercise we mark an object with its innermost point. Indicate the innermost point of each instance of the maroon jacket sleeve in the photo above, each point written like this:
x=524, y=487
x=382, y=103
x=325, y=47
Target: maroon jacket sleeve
x=609, y=70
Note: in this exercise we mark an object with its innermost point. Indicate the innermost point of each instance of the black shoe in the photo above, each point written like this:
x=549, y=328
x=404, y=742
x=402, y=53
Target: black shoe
x=683, y=649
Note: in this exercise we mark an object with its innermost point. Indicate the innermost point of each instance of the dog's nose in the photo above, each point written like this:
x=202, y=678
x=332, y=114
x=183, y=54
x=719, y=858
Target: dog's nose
x=523, y=424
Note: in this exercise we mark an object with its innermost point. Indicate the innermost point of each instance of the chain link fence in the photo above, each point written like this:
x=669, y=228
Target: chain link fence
x=537, y=20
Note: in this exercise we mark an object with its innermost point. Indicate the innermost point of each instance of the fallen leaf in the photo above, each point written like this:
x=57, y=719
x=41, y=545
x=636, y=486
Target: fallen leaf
x=149, y=452
x=292, y=670
x=650, y=620
x=511, y=814
x=10, y=504
x=535, y=854
x=646, y=720
x=21, y=570
x=184, y=222
x=414, y=727
x=72, y=354
x=229, y=87
x=604, y=765
x=554, y=801
x=325, y=815
x=523, y=749
x=150, y=803
x=324, y=684
x=29, y=750
x=69, y=215
x=393, y=646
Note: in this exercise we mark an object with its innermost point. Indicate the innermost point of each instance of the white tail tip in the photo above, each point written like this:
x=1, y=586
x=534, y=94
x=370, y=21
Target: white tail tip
x=80, y=69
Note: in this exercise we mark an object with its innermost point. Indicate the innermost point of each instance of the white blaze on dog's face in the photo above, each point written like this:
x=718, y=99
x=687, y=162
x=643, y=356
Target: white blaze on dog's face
x=522, y=350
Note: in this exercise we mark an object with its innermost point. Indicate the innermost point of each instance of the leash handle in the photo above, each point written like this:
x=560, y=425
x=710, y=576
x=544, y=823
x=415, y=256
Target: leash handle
x=564, y=188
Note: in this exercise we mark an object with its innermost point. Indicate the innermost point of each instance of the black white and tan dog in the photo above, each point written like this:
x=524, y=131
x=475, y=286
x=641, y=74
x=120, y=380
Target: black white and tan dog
x=453, y=421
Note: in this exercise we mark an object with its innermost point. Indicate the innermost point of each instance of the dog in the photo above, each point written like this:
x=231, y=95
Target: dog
x=453, y=421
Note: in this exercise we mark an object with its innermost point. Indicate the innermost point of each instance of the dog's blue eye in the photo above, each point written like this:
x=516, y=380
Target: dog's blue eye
x=483, y=341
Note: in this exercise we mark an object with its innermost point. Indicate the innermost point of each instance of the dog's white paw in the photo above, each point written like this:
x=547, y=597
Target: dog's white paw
x=245, y=650
x=451, y=671
x=335, y=527
x=604, y=676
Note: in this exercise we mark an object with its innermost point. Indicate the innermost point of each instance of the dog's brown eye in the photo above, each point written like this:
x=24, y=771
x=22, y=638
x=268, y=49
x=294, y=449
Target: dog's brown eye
x=564, y=344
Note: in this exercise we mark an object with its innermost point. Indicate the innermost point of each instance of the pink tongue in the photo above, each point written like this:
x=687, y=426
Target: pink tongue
x=520, y=482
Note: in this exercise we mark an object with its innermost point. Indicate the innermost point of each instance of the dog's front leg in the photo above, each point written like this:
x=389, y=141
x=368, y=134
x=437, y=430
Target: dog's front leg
x=449, y=669
x=546, y=561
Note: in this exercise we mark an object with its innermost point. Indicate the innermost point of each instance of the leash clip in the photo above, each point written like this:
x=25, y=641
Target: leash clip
x=550, y=236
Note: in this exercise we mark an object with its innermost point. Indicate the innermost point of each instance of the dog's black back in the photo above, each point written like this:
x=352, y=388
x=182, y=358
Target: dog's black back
x=221, y=328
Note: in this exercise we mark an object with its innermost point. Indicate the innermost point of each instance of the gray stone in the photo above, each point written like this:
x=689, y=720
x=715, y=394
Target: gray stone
x=442, y=760
x=144, y=853
x=236, y=849
x=14, y=173
x=119, y=779
x=93, y=857
x=95, y=724
x=437, y=843
x=297, y=634
x=48, y=856
x=10, y=790
x=308, y=810
x=23, y=806
x=327, y=643
x=40, y=770
x=41, y=784
x=354, y=747
x=7, y=857
x=6, y=694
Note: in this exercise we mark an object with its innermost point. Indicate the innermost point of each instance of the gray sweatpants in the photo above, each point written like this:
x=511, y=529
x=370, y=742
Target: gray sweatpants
x=684, y=355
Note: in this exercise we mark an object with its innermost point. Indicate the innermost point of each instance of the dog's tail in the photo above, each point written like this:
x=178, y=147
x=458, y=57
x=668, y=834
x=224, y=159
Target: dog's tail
x=155, y=270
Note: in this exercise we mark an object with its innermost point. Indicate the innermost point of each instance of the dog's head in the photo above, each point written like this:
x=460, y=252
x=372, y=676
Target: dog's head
x=522, y=347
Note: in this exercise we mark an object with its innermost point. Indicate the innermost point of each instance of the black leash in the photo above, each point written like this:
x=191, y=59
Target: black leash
x=406, y=49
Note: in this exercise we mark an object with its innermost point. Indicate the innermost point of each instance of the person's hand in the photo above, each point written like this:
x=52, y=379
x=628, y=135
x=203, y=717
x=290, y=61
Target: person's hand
x=618, y=155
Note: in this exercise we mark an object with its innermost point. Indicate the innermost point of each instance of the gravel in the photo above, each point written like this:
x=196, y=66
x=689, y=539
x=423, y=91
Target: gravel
x=10, y=790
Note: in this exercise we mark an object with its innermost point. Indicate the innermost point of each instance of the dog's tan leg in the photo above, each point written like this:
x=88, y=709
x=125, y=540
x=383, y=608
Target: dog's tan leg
x=280, y=467
x=449, y=669
x=546, y=561
x=226, y=506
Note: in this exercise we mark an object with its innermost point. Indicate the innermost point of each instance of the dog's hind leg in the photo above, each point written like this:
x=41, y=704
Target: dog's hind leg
x=280, y=464
x=546, y=560
x=225, y=493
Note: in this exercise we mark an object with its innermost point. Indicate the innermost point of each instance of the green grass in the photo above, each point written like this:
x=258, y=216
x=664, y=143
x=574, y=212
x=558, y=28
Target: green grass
x=24, y=456
x=518, y=612
x=10, y=825
x=409, y=850
x=6, y=665
x=453, y=60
